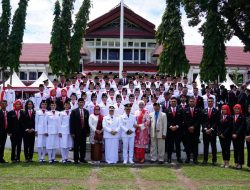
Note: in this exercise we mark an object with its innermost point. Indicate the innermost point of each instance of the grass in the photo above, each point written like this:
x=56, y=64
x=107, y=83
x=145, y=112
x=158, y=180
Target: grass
x=226, y=187
x=10, y=185
x=170, y=187
x=45, y=171
x=115, y=173
x=116, y=187
x=157, y=174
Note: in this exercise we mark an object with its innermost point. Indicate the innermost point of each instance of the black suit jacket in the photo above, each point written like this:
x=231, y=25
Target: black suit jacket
x=239, y=127
x=225, y=127
x=163, y=106
x=121, y=81
x=3, y=130
x=248, y=126
x=62, y=86
x=59, y=103
x=173, y=121
x=200, y=103
x=192, y=121
x=29, y=122
x=49, y=100
x=15, y=126
x=75, y=124
x=211, y=122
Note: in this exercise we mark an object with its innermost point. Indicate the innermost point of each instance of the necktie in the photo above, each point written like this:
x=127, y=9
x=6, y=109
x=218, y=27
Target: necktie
x=196, y=100
x=166, y=105
x=209, y=112
x=224, y=117
x=235, y=118
x=174, y=112
x=192, y=112
x=30, y=114
x=5, y=119
x=81, y=115
x=67, y=111
x=17, y=115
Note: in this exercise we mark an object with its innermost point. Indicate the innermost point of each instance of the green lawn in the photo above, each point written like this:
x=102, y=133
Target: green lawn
x=36, y=176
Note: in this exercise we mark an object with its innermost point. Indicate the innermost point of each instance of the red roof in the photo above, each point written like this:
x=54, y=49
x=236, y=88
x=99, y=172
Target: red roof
x=133, y=67
x=235, y=55
x=94, y=27
x=37, y=53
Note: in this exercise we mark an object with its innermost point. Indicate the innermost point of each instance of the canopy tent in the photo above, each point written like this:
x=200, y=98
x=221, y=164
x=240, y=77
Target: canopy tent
x=248, y=87
x=16, y=82
x=228, y=82
x=198, y=81
x=40, y=80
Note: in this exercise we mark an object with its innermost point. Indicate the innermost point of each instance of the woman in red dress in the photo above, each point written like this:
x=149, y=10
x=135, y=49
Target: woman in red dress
x=142, y=132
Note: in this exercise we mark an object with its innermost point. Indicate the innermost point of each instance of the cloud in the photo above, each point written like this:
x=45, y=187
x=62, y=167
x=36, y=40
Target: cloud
x=40, y=17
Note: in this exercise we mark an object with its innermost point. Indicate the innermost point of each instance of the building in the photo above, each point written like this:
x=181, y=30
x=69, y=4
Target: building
x=102, y=45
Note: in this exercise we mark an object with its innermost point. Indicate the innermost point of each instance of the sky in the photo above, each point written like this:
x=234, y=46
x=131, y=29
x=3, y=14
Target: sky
x=40, y=18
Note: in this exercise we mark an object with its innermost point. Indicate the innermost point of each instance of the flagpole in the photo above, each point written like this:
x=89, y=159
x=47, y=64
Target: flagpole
x=121, y=38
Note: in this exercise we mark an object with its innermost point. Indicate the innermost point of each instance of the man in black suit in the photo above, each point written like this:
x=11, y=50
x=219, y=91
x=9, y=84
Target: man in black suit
x=15, y=120
x=3, y=129
x=210, y=118
x=232, y=97
x=62, y=83
x=61, y=100
x=192, y=130
x=79, y=129
x=174, y=131
x=166, y=104
x=124, y=79
x=198, y=99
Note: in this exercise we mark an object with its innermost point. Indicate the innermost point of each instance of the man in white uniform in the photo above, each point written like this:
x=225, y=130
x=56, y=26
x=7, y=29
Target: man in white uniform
x=10, y=96
x=127, y=123
x=111, y=135
x=39, y=97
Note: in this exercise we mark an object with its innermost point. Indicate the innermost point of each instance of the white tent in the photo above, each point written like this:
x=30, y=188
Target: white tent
x=248, y=87
x=198, y=81
x=228, y=82
x=16, y=82
x=40, y=80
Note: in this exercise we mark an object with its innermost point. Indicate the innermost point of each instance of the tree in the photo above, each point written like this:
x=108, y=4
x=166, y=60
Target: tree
x=77, y=39
x=214, y=51
x=66, y=43
x=57, y=55
x=4, y=31
x=235, y=15
x=173, y=59
x=16, y=36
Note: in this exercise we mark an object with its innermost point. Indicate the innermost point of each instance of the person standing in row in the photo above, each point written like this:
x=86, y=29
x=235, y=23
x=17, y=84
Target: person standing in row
x=3, y=129
x=79, y=130
x=40, y=130
x=29, y=131
x=225, y=125
x=65, y=139
x=248, y=137
x=127, y=123
x=141, y=132
x=158, y=133
x=111, y=129
x=210, y=117
x=15, y=130
x=191, y=129
x=52, y=128
x=238, y=136
x=96, y=134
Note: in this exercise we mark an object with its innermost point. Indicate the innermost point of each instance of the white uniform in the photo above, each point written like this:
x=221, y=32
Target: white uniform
x=65, y=140
x=73, y=105
x=10, y=96
x=40, y=128
x=38, y=98
x=52, y=128
x=104, y=109
x=111, y=141
x=119, y=110
x=58, y=91
x=127, y=123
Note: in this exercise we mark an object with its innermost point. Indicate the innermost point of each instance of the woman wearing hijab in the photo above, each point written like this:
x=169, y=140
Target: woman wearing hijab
x=225, y=134
x=60, y=101
x=248, y=137
x=238, y=136
x=142, y=132
x=29, y=131
x=15, y=130
x=96, y=135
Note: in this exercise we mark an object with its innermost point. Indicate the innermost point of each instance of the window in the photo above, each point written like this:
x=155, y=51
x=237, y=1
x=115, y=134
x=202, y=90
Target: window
x=39, y=74
x=23, y=75
x=143, y=55
x=130, y=44
x=114, y=54
x=32, y=76
x=136, y=54
x=128, y=54
x=143, y=44
x=98, y=53
x=150, y=44
x=104, y=54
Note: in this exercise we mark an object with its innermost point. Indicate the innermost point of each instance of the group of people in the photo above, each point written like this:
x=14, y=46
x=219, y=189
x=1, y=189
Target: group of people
x=131, y=115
